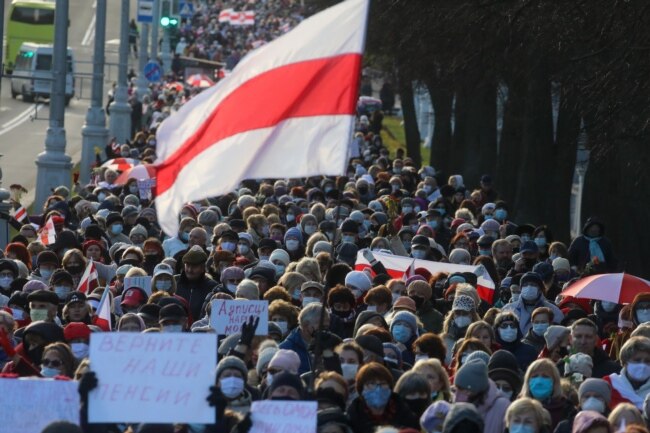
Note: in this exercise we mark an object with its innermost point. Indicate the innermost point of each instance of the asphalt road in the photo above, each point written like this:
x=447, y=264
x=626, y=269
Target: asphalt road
x=23, y=126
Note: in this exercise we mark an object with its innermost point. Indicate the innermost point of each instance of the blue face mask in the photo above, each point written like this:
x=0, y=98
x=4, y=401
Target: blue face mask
x=185, y=236
x=488, y=217
x=540, y=242
x=442, y=211
x=116, y=229
x=49, y=371
x=501, y=214
x=521, y=428
x=485, y=253
x=541, y=387
x=433, y=224
x=377, y=398
x=401, y=333
x=540, y=328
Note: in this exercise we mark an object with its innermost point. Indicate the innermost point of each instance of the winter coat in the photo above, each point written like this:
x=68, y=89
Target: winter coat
x=493, y=410
x=431, y=319
x=623, y=392
x=523, y=312
x=194, y=292
x=534, y=340
x=295, y=342
x=603, y=365
x=172, y=246
x=559, y=409
x=579, y=254
x=524, y=353
x=396, y=414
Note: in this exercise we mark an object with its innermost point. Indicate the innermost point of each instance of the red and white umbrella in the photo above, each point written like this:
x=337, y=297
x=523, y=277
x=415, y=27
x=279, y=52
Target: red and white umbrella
x=121, y=164
x=619, y=288
x=175, y=85
x=199, y=80
x=139, y=172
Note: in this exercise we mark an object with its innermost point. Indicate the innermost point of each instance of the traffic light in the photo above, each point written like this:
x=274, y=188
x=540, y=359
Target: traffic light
x=167, y=19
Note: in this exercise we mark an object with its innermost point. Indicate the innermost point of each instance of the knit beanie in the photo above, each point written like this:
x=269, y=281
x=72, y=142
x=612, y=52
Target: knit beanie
x=463, y=303
x=423, y=285
x=138, y=230
x=407, y=317
x=358, y=280
x=287, y=360
x=264, y=358
x=599, y=386
x=460, y=256
x=322, y=247
x=579, y=363
x=287, y=379
x=434, y=416
x=480, y=355
x=232, y=362
x=280, y=255
x=473, y=376
x=34, y=285
x=293, y=232
x=554, y=335
x=232, y=273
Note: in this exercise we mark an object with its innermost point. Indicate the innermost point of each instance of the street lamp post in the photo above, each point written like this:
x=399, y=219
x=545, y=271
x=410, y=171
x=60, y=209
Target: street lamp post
x=94, y=133
x=154, y=29
x=53, y=164
x=120, y=110
x=143, y=88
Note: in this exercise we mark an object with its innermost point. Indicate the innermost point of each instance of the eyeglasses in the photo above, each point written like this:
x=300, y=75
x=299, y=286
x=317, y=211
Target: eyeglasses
x=507, y=325
x=375, y=385
x=56, y=363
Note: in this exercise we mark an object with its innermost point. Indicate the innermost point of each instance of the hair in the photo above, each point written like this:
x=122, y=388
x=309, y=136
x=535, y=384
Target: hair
x=255, y=220
x=438, y=368
x=449, y=319
x=584, y=322
x=412, y=382
x=432, y=345
x=547, y=366
x=500, y=243
x=643, y=330
x=351, y=345
x=73, y=253
x=371, y=371
x=315, y=237
x=171, y=290
x=291, y=281
x=633, y=345
x=543, y=310
x=310, y=269
x=570, y=392
x=394, y=282
x=249, y=212
x=131, y=317
x=276, y=292
x=135, y=272
x=21, y=252
x=622, y=409
x=67, y=358
x=526, y=405
x=335, y=377
x=286, y=309
x=562, y=250
x=311, y=313
x=472, y=344
x=8, y=321
x=479, y=326
x=379, y=295
x=490, y=315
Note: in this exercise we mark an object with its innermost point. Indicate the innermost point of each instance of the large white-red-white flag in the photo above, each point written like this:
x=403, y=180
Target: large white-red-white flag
x=287, y=110
x=397, y=266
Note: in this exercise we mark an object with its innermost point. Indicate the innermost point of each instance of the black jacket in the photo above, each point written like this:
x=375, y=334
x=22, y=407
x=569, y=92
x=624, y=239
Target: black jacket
x=194, y=292
x=362, y=421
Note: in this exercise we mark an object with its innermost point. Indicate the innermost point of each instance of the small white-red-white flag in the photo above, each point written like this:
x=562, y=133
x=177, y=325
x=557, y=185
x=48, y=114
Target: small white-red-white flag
x=287, y=110
x=90, y=279
x=224, y=15
x=20, y=214
x=48, y=233
x=410, y=271
x=102, y=316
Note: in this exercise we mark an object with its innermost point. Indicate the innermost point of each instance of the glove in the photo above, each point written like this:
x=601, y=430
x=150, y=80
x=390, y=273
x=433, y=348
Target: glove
x=248, y=331
x=328, y=341
x=244, y=425
x=367, y=254
x=6, y=344
x=87, y=383
x=217, y=400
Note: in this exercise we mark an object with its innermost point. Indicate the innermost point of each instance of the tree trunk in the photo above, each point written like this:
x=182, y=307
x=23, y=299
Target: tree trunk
x=411, y=130
x=511, y=139
x=441, y=98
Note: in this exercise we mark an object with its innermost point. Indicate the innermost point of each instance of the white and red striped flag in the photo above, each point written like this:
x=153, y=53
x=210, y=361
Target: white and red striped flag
x=224, y=15
x=287, y=110
x=90, y=279
x=246, y=18
x=48, y=233
x=398, y=266
x=20, y=213
x=103, y=314
x=410, y=271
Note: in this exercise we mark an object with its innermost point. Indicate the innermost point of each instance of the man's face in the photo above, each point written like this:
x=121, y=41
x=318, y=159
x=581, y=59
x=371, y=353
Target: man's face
x=196, y=238
x=194, y=272
x=503, y=253
x=583, y=339
x=39, y=305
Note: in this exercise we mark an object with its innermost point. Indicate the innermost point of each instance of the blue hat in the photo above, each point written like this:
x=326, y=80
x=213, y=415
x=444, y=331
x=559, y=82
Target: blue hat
x=406, y=317
x=545, y=270
x=294, y=232
x=529, y=247
x=531, y=277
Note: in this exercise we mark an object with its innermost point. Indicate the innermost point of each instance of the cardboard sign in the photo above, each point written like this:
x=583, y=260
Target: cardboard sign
x=271, y=416
x=28, y=405
x=227, y=316
x=142, y=282
x=145, y=186
x=156, y=378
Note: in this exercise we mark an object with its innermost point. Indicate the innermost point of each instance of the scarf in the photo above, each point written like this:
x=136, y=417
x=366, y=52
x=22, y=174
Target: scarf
x=595, y=252
x=621, y=383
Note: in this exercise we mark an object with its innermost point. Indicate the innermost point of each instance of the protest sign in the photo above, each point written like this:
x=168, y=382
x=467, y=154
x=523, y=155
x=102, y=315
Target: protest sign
x=284, y=416
x=157, y=378
x=28, y=405
x=145, y=186
x=142, y=282
x=227, y=316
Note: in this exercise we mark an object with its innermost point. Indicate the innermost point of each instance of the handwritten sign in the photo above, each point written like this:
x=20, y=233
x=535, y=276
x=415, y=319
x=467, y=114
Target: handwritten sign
x=227, y=316
x=142, y=282
x=145, y=186
x=284, y=416
x=157, y=378
x=27, y=406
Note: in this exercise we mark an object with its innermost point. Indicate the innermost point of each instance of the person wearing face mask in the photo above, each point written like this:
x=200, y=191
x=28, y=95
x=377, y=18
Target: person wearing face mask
x=311, y=292
x=632, y=383
x=230, y=279
x=115, y=228
x=542, y=383
x=8, y=273
x=474, y=386
x=532, y=297
x=527, y=415
x=301, y=337
x=58, y=360
x=341, y=303
x=404, y=329
x=504, y=371
x=508, y=335
x=350, y=231
x=77, y=335
x=594, y=395
x=137, y=235
x=245, y=247
x=293, y=243
x=415, y=390
x=308, y=225
x=46, y=263
x=258, y=228
x=178, y=243
x=541, y=318
x=376, y=404
x=26, y=357
x=280, y=260
x=172, y=318
x=43, y=306
x=591, y=246
x=231, y=376
x=421, y=293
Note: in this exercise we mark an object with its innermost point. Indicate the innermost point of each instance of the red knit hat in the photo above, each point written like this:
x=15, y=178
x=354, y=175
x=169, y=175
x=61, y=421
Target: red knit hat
x=76, y=330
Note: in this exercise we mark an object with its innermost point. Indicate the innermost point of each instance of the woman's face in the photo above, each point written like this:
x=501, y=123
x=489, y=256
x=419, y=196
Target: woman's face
x=52, y=359
x=524, y=418
x=432, y=377
x=77, y=311
x=349, y=357
x=484, y=336
x=93, y=252
x=130, y=326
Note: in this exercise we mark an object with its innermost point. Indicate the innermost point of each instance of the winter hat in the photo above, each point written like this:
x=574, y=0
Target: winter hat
x=599, y=386
x=488, y=207
x=504, y=366
x=264, y=358
x=232, y=273
x=129, y=210
x=395, y=349
x=462, y=412
x=531, y=277
x=231, y=362
x=473, y=376
x=464, y=227
x=544, y=270
x=434, y=416
x=409, y=318
x=195, y=256
x=554, y=335
x=248, y=238
x=322, y=247
x=287, y=360
x=478, y=354
x=293, y=232
x=114, y=217
x=61, y=427
x=287, y=379
x=460, y=256
x=347, y=252
x=75, y=330
x=490, y=225
x=61, y=276
x=561, y=264
x=463, y=303
x=280, y=255
x=48, y=257
x=579, y=363
x=349, y=225
x=587, y=419
x=421, y=285
x=34, y=285
x=371, y=343
x=138, y=230
x=416, y=277
x=358, y=280
x=405, y=302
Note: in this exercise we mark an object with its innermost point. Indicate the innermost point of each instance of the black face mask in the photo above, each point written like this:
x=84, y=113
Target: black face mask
x=74, y=269
x=151, y=259
x=419, y=300
x=328, y=395
x=283, y=398
x=418, y=405
x=342, y=314
x=36, y=354
x=529, y=263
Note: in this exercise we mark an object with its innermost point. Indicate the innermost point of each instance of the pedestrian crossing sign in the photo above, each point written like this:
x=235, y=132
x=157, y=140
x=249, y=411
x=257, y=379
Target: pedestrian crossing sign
x=185, y=9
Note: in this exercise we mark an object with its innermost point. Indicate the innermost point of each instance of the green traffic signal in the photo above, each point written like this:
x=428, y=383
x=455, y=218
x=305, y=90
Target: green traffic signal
x=165, y=21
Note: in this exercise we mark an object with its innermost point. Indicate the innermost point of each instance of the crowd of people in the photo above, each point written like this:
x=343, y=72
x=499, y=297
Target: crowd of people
x=378, y=352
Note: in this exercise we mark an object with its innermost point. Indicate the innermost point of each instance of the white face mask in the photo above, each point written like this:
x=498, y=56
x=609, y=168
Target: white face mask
x=292, y=244
x=279, y=270
x=349, y=371
x=372, y=308
x=508, y=334
x=243, y=249
x=638, y=371
x=418, y=254
x=348, y=238
x=310, y=229
x=309, y=300
x=595, y=404
x=232, y=287
x=462, y=321
x=5, y=282
x=529, y=293
x=171, y=328
x=643, y=315
x=284, y=326
x=228, y=246
x=80, y=350
x=163, y=285
x=421, y=358
x=232, y=387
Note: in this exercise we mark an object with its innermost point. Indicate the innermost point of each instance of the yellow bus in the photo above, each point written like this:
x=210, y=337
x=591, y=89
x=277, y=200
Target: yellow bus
x=29, y=21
